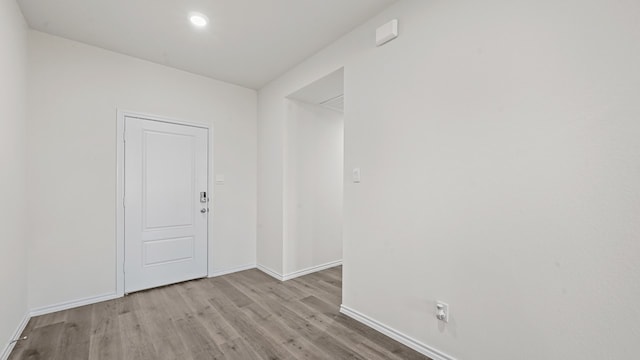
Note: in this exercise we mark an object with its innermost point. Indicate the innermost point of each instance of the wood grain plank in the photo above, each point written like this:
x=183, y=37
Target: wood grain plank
x=392, y=346
x=195, y=337
x=135, y=337
x=42, y=344
x=196, y=296
x=162, y=328
x=246, y=315
x=105, y=341
x=262, y=342
x=238, y=349
x=326, y=342
x=76, y=337
x=223, y=286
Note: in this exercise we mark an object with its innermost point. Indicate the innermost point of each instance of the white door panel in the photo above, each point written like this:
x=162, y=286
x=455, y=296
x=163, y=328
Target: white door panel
x=165, y=230
x=168, y=179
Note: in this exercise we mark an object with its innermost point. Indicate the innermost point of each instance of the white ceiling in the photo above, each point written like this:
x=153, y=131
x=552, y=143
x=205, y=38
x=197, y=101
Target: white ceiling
x=327, y=91
x=248, y=42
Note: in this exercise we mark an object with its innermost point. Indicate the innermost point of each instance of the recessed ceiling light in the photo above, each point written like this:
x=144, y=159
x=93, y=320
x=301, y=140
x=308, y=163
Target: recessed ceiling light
x=198, y=19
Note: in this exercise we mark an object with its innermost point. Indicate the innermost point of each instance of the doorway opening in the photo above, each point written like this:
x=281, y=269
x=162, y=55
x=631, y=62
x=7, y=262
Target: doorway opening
x=314, y=177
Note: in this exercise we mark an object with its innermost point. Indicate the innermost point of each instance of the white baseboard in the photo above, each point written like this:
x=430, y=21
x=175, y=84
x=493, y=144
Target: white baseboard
x=270, y=272
x=310, y=270
x=72, y=304
x=110, y=296
x=232, y=270
x=298, y=273
x=9, y=347
x=396, y=335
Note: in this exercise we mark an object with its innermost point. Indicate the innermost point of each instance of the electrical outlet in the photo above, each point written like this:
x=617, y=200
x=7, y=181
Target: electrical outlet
x=442, y=311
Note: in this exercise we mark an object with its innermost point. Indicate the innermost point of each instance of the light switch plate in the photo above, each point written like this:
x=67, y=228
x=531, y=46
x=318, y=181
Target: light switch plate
x=356, y=175
x=220, y=179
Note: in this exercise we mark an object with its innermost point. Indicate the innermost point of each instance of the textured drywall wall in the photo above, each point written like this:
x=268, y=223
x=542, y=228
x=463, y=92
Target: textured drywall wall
x=13, y=241
x=498, y=143
x=74, y=93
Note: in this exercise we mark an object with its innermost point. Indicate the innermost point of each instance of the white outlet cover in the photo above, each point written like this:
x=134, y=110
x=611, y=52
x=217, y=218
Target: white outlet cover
x=445, y=307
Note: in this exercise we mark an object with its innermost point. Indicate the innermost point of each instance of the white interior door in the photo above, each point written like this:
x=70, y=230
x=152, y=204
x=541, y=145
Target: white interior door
x=165, y=212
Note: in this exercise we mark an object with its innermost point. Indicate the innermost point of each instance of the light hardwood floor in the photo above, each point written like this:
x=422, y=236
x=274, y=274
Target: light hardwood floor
x=246, y=315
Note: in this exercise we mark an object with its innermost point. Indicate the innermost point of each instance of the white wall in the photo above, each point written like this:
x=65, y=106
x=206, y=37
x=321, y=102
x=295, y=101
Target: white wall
x=498, y=142
x=313, y=186
x=74, y=91
x=13, y=243
x=270, y=181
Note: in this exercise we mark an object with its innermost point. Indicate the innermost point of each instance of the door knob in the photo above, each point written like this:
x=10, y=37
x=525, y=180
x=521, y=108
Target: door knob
x=203, y=210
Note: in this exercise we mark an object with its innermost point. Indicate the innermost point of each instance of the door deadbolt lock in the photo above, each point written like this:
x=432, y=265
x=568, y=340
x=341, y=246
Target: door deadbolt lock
x=203, y=197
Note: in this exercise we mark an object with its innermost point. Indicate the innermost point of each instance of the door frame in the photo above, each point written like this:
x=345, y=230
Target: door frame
x=120, y=156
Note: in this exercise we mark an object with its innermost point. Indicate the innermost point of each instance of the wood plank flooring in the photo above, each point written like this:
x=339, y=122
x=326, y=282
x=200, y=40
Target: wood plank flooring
x=245, y=316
